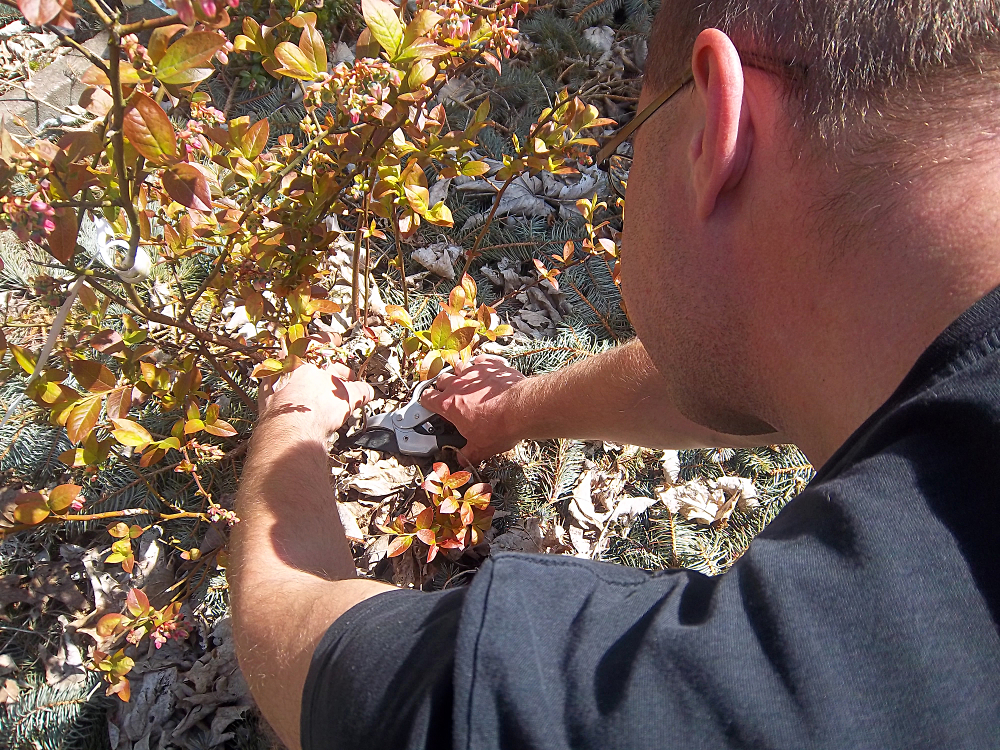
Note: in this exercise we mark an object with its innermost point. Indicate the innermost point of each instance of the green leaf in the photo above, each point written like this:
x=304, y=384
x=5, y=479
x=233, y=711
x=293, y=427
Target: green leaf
x=422, y=24
x=128, y=432
x=384, y=24
x=92, y=375
x=24, y=358
x=296, y=63
x=266, y=368
x=149, y=130
x=188, y=60
x=83, y=418
x=461, y=338
x=313, y=47
x=421, y=49
x=187, y=185
x=440, y=331
x=440, y=215
x=61, y=497
x=475, y=168
x=420, y=73
x=482, y=112
x=417, y=196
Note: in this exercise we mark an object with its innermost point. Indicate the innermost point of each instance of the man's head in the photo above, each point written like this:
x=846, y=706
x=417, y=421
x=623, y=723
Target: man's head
x=772, y=201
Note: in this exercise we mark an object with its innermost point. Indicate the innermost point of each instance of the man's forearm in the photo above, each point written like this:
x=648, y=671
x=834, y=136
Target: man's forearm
x=618, y=396
x=291, y=572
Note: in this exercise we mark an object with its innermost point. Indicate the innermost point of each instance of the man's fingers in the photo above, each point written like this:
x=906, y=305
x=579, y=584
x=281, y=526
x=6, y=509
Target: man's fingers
x=359, y=393
x=442, y=380
x=433, y=400
x=341, y=371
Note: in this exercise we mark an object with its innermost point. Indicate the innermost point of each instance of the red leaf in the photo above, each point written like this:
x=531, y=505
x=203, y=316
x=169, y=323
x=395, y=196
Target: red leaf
x=93, y=376
x=62, y=239
x=449, y=504
x=457, y=479
x=186, y=184
x=137, y=603
x=149, y=130
x=31, y=512
x=425, y=518
x=107, y=341
x=119, y=403
x=39, y=12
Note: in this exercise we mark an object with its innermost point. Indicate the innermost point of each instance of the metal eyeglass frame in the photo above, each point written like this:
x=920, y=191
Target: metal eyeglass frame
x=607, y=153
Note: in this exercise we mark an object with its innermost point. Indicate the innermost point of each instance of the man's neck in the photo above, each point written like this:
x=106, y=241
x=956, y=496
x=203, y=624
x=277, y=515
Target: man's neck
x=877, y=308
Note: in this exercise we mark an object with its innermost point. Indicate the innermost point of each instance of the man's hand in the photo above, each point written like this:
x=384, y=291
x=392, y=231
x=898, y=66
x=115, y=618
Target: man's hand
x=617, y=395
x=319, y=401
x=475, y=400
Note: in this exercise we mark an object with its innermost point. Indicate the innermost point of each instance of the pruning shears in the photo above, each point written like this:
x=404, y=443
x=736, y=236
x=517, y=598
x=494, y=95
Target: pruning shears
x=411, y=430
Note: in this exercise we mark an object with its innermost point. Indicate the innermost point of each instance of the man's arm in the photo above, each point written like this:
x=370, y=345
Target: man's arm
x=291, y=572
x=617, y=395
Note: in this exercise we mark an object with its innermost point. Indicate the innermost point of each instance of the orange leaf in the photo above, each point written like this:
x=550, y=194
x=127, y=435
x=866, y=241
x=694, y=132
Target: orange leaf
x=31, y=512
x=107, y=625
x=83, y=418
x=61, y=497
x=399, y=545
x=149, y=130
x=220, y=428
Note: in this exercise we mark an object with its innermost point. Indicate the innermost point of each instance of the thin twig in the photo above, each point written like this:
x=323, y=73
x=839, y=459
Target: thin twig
x=136, y=306
x=244, y=396
x=402, y=267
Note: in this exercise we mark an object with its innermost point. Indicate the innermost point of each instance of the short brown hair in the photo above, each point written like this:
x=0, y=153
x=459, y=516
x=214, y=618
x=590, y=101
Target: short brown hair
x=858, y=59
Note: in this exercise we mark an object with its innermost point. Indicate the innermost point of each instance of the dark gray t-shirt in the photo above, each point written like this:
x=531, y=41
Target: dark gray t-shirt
x=865, y=616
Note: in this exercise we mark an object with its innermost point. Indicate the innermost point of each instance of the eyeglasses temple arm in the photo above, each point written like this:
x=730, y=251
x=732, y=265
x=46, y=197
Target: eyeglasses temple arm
x=623, y=135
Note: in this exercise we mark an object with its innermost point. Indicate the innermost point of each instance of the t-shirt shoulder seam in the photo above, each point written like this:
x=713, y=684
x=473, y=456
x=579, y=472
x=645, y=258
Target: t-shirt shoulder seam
x=974, y=350
x=567, y=562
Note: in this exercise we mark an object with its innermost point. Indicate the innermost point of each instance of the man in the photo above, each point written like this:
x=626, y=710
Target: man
x=810, y=254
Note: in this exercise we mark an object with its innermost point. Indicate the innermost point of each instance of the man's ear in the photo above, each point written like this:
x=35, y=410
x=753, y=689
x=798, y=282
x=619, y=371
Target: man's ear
x=721, y=149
